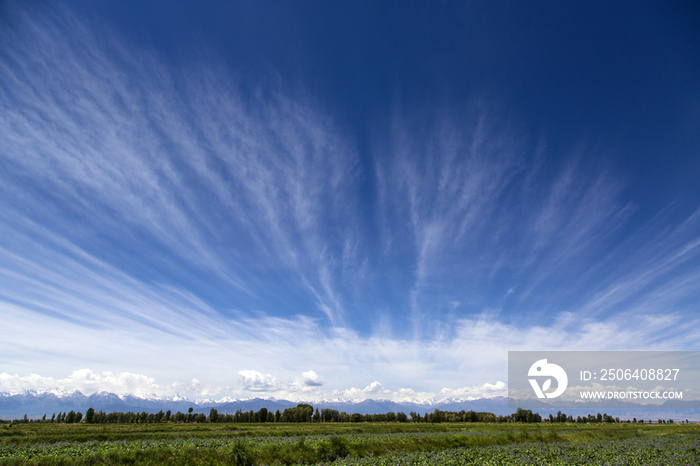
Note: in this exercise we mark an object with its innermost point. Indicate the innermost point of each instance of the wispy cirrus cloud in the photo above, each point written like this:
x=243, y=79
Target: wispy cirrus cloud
x=281, y=352
x=229, y=240
x=120, y=151
x=488, y=224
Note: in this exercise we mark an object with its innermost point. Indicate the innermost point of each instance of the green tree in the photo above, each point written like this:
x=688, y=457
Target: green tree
x=526, y=415
x=70, y=419
x=90, y=416
x=301, y=413
x=213, y=415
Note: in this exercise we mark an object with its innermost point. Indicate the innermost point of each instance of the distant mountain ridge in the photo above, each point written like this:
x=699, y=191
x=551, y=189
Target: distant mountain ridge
x=37, y=403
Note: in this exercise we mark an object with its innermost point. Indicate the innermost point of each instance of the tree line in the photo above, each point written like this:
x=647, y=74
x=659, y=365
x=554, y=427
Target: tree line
x=561, y=417
x=303, y=413
x=306, y=413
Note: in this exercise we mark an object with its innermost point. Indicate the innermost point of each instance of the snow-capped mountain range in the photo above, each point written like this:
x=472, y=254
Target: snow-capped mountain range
x=37, y=403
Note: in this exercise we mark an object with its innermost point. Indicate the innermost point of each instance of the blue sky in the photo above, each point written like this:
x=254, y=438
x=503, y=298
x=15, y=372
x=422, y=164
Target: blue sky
x=342, y=199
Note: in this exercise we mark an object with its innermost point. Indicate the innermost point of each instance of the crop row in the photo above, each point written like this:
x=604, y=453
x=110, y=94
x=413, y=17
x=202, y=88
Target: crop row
x=677, y=450
x=74, y=449
x=426, y=448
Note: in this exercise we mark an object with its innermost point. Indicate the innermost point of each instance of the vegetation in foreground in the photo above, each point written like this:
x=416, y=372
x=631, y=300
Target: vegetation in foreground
x=351, y=444
x=677, y=450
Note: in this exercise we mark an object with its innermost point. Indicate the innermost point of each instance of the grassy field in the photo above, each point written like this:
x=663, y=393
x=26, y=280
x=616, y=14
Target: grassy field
x=350, y=444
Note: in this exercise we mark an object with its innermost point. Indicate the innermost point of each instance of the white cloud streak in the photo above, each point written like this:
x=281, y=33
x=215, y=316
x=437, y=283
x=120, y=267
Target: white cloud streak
x=210, y=234
x=83, y=380
x=502, y=231
x=281, y=351
x=166, y=161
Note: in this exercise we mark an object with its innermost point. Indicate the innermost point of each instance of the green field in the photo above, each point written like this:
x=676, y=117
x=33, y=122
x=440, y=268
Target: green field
x=351, y=444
